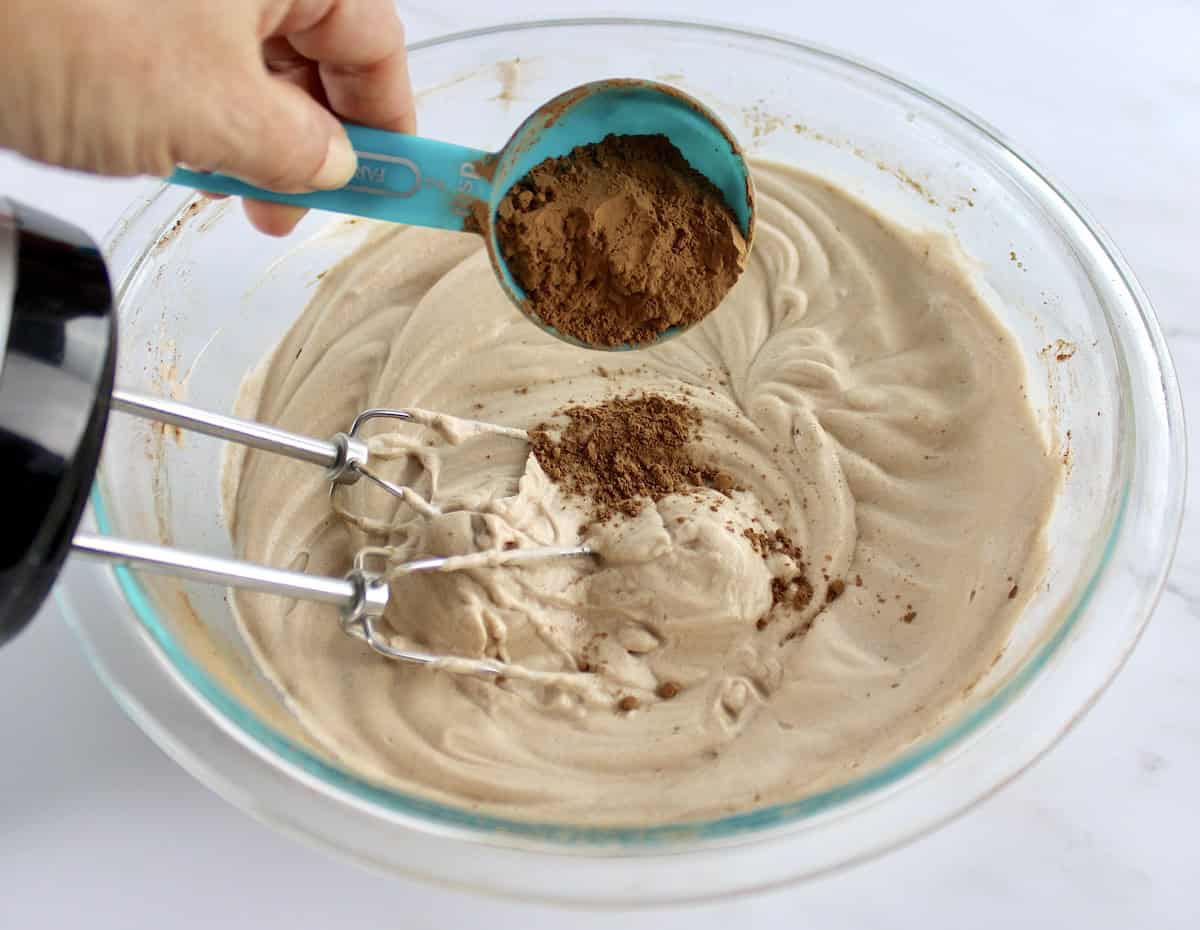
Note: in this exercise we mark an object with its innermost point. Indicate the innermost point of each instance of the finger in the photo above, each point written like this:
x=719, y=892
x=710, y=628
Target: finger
x=284, y=63
x=274, y=219
x=274, y=135
x=359, y=48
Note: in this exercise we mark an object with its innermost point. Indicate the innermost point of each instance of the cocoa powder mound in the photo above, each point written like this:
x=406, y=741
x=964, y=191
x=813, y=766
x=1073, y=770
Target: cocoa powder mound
x=619, y=240
x=622, y=452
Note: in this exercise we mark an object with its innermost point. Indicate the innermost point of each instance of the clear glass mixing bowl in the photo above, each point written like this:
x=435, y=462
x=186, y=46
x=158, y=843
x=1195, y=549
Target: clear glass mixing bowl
x=202, y=298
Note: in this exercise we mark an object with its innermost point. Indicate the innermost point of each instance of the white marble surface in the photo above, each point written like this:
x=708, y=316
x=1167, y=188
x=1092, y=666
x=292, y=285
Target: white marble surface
x=98, y=828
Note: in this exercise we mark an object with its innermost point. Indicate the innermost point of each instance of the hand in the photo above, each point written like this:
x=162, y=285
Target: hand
x=243, y=87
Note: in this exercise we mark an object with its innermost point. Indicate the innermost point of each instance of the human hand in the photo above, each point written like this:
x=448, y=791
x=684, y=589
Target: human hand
x=248, y=88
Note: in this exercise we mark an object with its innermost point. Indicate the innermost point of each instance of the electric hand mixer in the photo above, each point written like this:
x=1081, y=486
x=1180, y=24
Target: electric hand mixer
x=57, y=327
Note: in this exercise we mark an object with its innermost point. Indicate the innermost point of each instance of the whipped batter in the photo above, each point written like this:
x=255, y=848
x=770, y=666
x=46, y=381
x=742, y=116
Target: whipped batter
x=865, y=400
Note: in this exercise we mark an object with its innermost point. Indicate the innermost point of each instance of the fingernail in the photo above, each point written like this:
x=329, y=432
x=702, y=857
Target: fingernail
x=339, y=165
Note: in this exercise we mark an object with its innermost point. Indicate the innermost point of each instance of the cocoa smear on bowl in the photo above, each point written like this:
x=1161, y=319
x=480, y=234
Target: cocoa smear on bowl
x=619, y=240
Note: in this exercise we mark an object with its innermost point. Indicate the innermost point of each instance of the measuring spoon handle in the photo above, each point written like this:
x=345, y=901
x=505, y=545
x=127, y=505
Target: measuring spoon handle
x=400, y=178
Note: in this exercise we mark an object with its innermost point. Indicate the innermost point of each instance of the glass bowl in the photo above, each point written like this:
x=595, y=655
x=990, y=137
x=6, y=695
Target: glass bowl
x=202, y=298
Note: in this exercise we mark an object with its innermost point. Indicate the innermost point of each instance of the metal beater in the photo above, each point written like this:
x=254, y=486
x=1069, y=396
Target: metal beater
x=362, y=595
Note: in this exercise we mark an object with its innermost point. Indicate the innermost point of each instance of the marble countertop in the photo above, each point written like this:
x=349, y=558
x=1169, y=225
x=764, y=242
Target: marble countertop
x=99, y=828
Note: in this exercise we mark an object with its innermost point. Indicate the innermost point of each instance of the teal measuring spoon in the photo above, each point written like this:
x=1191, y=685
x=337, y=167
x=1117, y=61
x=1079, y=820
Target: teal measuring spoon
x=424, y=182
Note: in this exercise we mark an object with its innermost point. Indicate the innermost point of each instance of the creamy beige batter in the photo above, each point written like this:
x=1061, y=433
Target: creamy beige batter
x=853, y=383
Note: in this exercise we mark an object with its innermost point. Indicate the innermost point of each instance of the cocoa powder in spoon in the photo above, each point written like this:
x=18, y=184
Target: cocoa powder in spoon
x=620, y=240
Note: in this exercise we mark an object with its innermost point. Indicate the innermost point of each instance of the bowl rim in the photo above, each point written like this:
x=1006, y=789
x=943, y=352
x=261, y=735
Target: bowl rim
x=426, y=814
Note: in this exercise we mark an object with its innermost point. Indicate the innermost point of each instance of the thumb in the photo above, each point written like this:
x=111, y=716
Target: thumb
x=286, y=141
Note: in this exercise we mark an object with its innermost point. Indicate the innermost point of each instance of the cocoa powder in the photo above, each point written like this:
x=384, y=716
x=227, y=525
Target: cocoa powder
x=668, y=690
x=623, y=452
x=619, y=240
